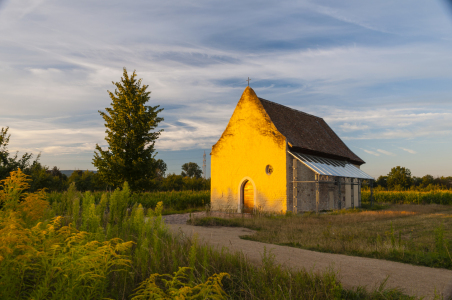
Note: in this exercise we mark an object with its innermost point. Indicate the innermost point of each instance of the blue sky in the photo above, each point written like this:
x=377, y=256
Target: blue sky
x=378, y=73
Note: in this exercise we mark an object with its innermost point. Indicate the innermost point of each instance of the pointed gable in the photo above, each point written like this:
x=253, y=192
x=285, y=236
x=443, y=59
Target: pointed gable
x=308, y=134
x=250, y=114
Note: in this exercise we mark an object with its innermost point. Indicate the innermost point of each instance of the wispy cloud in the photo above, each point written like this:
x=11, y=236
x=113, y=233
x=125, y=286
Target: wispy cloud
x=352, y=127
x=371, y=152
x=386, y=152
x=364, y=68
x=408, y=150
x=395, y=123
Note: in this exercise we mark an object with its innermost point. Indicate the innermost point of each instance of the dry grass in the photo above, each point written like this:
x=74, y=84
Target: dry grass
x=417, y=234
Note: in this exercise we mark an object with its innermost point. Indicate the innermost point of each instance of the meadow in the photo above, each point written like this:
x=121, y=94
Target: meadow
x=80, y=247
x=415, y=234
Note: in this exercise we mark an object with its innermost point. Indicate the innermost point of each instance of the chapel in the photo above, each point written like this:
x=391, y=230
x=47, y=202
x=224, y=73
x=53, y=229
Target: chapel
x=274, y=158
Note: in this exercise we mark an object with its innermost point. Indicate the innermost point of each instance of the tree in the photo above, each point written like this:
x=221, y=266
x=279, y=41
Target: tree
x=382, y=181
x=427, y=180
x=191, y=169
x=160, y=169
x=13, y=163
x=130, y=136
x=399, y=177
x=417, y=181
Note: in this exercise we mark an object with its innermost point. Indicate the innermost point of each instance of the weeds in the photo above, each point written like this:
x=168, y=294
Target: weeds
x=96, y=246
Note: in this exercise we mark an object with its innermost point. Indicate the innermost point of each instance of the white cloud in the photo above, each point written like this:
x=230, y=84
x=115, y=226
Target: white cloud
x=386, y=123
x=370, y=152
x=352, y=127
x=408, y=150
x=192, y=135
x=386, y=152
x=58, y=58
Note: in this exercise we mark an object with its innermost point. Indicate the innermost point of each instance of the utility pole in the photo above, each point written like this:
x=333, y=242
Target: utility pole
x=204, y=165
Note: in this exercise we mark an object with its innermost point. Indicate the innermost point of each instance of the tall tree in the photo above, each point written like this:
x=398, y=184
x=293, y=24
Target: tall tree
x=399, y=177
x=130, y=136
x=191, y=169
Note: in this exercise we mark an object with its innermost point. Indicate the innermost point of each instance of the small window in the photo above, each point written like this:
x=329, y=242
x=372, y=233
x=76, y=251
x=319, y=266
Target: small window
x=269, y=170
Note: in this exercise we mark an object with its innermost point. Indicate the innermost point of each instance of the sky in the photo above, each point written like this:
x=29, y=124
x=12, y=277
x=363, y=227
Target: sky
x=379, y=73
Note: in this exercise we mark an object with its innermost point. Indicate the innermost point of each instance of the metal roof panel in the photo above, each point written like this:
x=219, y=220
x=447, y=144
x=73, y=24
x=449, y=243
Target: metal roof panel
x=330, y=167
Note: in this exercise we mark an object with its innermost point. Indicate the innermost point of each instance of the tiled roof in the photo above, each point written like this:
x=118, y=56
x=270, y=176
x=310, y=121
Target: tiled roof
x=307, y=133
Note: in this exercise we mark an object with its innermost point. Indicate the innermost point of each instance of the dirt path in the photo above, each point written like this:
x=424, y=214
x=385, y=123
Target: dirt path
x=353, y=271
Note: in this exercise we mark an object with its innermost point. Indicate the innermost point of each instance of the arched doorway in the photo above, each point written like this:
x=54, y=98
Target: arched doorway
x=248, y=197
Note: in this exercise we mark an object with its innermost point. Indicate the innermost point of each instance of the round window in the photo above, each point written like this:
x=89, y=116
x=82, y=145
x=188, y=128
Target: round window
x=269, y=170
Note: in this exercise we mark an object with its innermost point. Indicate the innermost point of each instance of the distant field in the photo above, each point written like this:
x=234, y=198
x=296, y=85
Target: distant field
x=409, y=197
x=416, y=234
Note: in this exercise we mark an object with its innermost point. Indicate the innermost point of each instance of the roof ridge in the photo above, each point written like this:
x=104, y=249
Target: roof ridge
x=289, y=108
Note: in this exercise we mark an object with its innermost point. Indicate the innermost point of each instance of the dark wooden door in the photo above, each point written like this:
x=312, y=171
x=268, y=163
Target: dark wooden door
x=248, y=197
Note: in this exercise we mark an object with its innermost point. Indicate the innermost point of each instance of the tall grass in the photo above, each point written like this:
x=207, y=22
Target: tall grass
x=409, y=197
x=172, y=201
x=176, y=200
x=89, y=251
x=88, y=247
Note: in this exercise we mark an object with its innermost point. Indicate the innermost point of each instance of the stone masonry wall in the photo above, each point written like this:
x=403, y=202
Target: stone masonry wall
x=306, y=192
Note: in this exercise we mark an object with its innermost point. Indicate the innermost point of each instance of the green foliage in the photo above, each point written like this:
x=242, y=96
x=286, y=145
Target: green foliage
x=191, y=169
x=399, y=177
x=91, y=220
x=130, y=136
x=129, y=154
x=56, y=262
x=173, y=182
x=179, y=287
x=50, y=260
x=86, y=181
x=54, y=259
x=44, y=178
x=382, y=181
x=119, y=202
x=76, y=210
x=408, y=197
x=10, y=163
x=173, y=200
x=13, y=190
x=440, y=245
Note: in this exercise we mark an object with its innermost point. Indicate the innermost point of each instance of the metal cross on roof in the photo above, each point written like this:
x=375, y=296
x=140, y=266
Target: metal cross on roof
x=248, y=81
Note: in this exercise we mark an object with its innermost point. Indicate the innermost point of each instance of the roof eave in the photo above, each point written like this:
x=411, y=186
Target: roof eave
x=325, y=155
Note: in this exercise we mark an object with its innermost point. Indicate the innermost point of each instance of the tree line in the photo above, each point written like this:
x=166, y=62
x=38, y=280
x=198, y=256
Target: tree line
x=52, y=179
x=400, y=178
x=130, y=156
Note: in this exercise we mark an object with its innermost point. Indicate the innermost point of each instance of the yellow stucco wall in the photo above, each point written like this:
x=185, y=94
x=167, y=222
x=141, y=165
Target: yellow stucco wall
x=249, y=143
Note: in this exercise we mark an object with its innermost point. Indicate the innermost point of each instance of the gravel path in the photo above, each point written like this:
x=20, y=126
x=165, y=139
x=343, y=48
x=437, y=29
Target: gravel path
x=353, y=271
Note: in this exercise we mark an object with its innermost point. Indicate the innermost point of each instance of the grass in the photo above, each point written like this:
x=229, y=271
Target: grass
x=415, y=234
x=83, y=247
x=174, y=202
x=443, y=197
